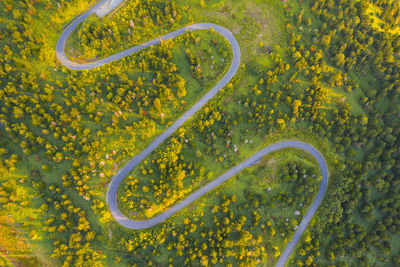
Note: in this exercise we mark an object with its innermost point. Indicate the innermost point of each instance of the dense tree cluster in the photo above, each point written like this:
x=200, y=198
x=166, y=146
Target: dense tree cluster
x=101, y=37
x=366, y=61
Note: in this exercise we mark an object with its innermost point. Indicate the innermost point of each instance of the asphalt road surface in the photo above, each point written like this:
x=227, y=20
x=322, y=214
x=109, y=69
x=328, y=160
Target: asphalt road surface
x=111, y=196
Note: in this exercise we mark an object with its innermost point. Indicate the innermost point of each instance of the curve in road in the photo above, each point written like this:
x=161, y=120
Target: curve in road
x=111, y=196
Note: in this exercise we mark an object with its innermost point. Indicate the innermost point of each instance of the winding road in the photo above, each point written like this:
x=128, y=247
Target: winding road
x=111, y=196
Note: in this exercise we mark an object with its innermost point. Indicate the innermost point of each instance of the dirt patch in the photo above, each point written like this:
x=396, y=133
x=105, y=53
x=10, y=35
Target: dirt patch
x=258, y=15
x=272, y=164
x=229, y=98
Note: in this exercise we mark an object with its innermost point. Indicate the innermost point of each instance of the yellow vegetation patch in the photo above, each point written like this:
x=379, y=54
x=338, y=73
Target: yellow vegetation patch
x=330, y=98
x=374, y=12
x=330, y=95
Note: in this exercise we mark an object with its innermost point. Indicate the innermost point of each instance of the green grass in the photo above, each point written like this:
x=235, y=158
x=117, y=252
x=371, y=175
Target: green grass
x=250, y=21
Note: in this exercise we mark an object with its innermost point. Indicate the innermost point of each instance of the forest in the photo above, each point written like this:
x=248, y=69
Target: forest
x=326, y=72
